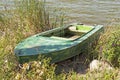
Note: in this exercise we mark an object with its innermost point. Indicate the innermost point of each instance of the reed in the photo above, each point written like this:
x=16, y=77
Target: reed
x=27, y=18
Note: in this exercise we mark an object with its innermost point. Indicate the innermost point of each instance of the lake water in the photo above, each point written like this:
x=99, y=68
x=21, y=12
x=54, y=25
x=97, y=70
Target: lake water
x=85, y=11
x=89, y=11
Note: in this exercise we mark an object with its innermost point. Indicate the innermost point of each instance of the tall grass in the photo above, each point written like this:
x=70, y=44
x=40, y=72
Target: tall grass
x=28, y=17
x=109, y=45
x=33, y=14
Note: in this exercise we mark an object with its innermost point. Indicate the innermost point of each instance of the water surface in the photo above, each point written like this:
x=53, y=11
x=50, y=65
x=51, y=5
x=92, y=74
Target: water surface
x=89, y=11
x=84, y=11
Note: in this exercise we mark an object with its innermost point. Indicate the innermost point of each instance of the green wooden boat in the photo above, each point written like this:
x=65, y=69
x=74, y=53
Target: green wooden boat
x=59, y=43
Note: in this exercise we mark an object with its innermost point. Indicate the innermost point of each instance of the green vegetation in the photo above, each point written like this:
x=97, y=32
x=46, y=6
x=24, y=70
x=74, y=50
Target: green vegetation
x=83, y=28
x=31, y=17
x=109, y=45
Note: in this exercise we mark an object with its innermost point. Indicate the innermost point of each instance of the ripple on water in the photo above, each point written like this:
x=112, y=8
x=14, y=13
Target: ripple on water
x=90, y=11
x=86, y=11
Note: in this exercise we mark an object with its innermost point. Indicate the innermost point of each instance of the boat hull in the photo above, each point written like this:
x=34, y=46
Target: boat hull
x=80, y=45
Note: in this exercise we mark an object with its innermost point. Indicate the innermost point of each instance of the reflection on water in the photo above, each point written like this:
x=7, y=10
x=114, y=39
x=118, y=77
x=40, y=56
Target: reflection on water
x=85, y=11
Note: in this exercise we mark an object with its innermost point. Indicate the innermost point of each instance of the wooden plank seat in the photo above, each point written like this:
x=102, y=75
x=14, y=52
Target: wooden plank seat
x=63, y=38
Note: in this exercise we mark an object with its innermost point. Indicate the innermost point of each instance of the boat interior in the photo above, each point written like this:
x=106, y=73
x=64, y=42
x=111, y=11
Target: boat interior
x=68, y=33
